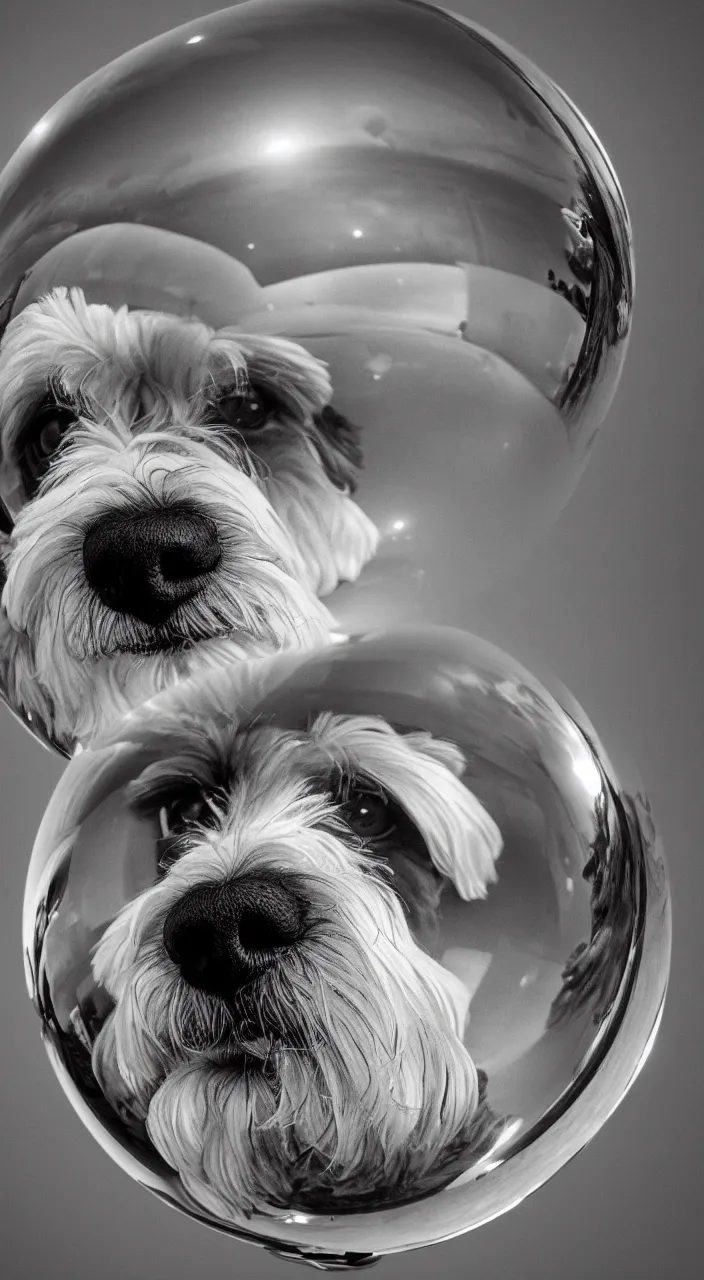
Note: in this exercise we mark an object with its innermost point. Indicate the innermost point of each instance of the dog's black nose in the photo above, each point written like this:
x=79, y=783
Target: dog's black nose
x=150, y=563
x=222, y=936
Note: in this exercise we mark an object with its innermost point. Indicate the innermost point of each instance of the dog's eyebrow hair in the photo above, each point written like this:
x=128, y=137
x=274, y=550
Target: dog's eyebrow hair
x=161, y=780
x=226, y=381
x=334, y=770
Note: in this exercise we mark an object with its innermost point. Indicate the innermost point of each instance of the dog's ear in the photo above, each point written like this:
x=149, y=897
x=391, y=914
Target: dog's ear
x=339, y=445
x=446, y=753
x=422, y=773
x=462, y=838
x=302, y=384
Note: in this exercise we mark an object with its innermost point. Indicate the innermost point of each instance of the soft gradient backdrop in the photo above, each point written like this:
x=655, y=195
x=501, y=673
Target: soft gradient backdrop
x=610, y=602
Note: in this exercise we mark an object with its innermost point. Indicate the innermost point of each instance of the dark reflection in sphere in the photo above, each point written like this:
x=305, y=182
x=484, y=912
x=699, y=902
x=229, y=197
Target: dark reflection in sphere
x=399, y=192
x=564, y=963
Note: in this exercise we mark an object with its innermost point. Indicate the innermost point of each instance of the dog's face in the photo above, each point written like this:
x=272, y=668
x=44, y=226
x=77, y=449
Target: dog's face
x=180, y=497
x=279, y=1025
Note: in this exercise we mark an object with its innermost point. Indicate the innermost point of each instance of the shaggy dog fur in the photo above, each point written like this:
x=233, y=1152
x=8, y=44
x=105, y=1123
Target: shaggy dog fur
x=279, y=1024
x=116, y=422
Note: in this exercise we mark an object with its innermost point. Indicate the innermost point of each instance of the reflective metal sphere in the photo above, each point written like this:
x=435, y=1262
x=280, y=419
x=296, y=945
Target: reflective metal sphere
x=399, y=192
x=564, y=964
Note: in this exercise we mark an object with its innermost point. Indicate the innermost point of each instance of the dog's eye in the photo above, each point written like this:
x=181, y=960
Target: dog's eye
x=249, y=412
x=182, y=813
x=175, y=820
x=42, y=438
x=368, y=814
x=186, y=811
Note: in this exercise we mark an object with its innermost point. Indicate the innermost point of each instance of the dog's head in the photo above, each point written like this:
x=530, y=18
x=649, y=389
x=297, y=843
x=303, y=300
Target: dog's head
x=279, y=1023
x=178, y=494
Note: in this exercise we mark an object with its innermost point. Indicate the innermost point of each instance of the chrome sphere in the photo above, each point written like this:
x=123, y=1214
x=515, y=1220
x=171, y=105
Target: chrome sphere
x=563, y=965
x=399, y=192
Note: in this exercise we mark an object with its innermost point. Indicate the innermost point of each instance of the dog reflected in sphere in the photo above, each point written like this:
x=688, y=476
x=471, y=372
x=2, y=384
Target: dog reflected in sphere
x=279, y=1026
x=180, y=496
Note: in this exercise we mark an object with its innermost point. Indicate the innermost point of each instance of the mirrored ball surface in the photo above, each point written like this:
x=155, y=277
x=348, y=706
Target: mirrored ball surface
x=398, y=192
x=422, y=746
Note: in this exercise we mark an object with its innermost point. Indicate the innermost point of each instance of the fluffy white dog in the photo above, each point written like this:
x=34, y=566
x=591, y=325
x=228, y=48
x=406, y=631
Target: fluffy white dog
x=180, y=496
x=279, y=1024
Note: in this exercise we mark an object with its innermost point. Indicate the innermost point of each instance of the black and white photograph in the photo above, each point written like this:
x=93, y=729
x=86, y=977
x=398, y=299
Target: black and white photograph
x=349, y=638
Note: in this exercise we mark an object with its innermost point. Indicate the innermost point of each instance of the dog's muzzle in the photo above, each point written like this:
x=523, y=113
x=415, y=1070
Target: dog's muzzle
x=148, y=564
x=223, y=936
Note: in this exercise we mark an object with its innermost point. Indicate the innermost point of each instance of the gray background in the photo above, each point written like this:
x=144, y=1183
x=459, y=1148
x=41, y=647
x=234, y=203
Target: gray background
x=610, y=602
